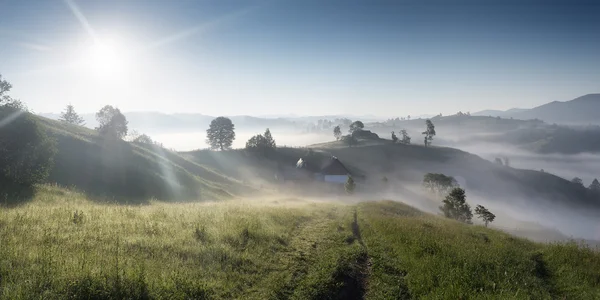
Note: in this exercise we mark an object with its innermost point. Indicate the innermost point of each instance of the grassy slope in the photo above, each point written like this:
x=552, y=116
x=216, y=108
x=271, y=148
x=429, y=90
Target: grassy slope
x=272, y=248
x=129, y=172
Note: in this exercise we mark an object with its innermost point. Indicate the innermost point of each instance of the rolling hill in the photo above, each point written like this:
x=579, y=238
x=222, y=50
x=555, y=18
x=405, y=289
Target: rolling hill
x=130, y=172
x=583, y=110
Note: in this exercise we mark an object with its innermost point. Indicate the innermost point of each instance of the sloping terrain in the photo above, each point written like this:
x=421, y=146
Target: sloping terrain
x=405, y=165
x=129, y=172
x=582, y=110
x=64, y=246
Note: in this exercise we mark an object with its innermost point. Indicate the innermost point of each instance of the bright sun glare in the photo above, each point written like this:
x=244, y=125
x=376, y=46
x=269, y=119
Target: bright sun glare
x=106, y=58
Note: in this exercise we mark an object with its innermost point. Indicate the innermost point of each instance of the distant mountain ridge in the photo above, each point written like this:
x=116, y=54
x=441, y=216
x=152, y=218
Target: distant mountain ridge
x=583, y=110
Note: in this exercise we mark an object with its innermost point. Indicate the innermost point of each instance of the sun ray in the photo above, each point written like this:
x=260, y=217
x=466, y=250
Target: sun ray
x=82, y=19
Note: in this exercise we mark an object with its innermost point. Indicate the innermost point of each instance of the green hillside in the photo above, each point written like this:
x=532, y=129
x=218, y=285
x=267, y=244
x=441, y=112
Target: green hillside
x=61, y=245
x=130, y=172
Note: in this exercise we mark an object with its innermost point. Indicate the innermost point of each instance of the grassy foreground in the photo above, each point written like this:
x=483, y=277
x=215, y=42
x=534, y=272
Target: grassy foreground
x=62, y=246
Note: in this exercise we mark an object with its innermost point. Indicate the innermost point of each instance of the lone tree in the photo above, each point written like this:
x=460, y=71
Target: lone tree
x=71, y=117
x=429, y=132
x=112, y=123
x=595, y=187
x=405, y=137
x=350, y=185
x=356, y=125
x=337, y=132
x=220, y=134
x=577, y=181
x=455, y=206
x=394, y=137
x=484, y=214
x=439, y=183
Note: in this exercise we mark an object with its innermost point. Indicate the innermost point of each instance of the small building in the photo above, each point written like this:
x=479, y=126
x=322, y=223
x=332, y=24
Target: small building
x=334, y=172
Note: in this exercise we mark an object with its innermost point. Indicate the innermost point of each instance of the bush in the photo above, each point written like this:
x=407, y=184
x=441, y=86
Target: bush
x=26, y=152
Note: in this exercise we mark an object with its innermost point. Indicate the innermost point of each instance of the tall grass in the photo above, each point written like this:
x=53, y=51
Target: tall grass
x=61, y=245
x=421, y=256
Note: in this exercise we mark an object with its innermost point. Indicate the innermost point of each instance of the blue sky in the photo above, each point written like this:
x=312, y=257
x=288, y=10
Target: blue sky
x=386, y=58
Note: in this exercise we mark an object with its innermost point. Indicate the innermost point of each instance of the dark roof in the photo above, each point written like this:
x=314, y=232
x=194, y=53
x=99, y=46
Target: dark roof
x=334, y=167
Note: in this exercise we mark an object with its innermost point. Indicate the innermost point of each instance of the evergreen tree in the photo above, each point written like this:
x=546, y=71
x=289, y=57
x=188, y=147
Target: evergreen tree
x=71, y=117
x=595, y=186
x=270, y=142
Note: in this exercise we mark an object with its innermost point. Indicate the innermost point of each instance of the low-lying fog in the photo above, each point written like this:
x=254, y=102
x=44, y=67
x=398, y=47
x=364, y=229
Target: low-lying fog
x=521, y=216
x=187, y=141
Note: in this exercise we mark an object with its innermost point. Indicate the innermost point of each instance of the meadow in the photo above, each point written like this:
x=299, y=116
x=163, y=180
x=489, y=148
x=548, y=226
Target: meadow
x=61, y=245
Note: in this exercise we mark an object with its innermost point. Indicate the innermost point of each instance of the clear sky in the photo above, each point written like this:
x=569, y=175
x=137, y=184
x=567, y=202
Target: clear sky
x=386, y=58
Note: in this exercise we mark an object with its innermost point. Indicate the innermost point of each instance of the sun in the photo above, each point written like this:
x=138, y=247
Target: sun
x=106, y=58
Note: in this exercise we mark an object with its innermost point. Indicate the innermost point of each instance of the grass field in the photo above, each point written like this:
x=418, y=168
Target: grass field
x=62, y=246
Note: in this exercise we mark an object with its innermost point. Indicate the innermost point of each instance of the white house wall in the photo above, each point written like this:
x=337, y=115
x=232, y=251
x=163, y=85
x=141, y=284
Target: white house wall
x=336, y=178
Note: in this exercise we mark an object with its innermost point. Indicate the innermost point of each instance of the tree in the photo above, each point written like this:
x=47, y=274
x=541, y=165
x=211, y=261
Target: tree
x=456, y=207
x=356, y=125
x=405, y=137
x=484, y=214
x=429, y=132
x=112, y=123
x=506, y=161
x=394, y=137
x=439, y=183
x=337, y=132
x=5, y=87
x=26, y=152
x=595, y=186
x=71, y=117
x=499, y=161
x=263, y=144
x=350, y=140
x=6, y=100
x=350, y=185
x=577, y=181
x=143, y=139
x=220, y=134
x=270, y=142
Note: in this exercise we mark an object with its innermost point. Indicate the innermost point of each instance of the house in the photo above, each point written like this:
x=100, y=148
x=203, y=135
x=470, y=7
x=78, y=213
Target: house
x=332, y=171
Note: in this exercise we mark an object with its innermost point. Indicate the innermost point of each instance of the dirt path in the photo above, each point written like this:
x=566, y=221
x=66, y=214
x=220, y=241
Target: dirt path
x=356, y=282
